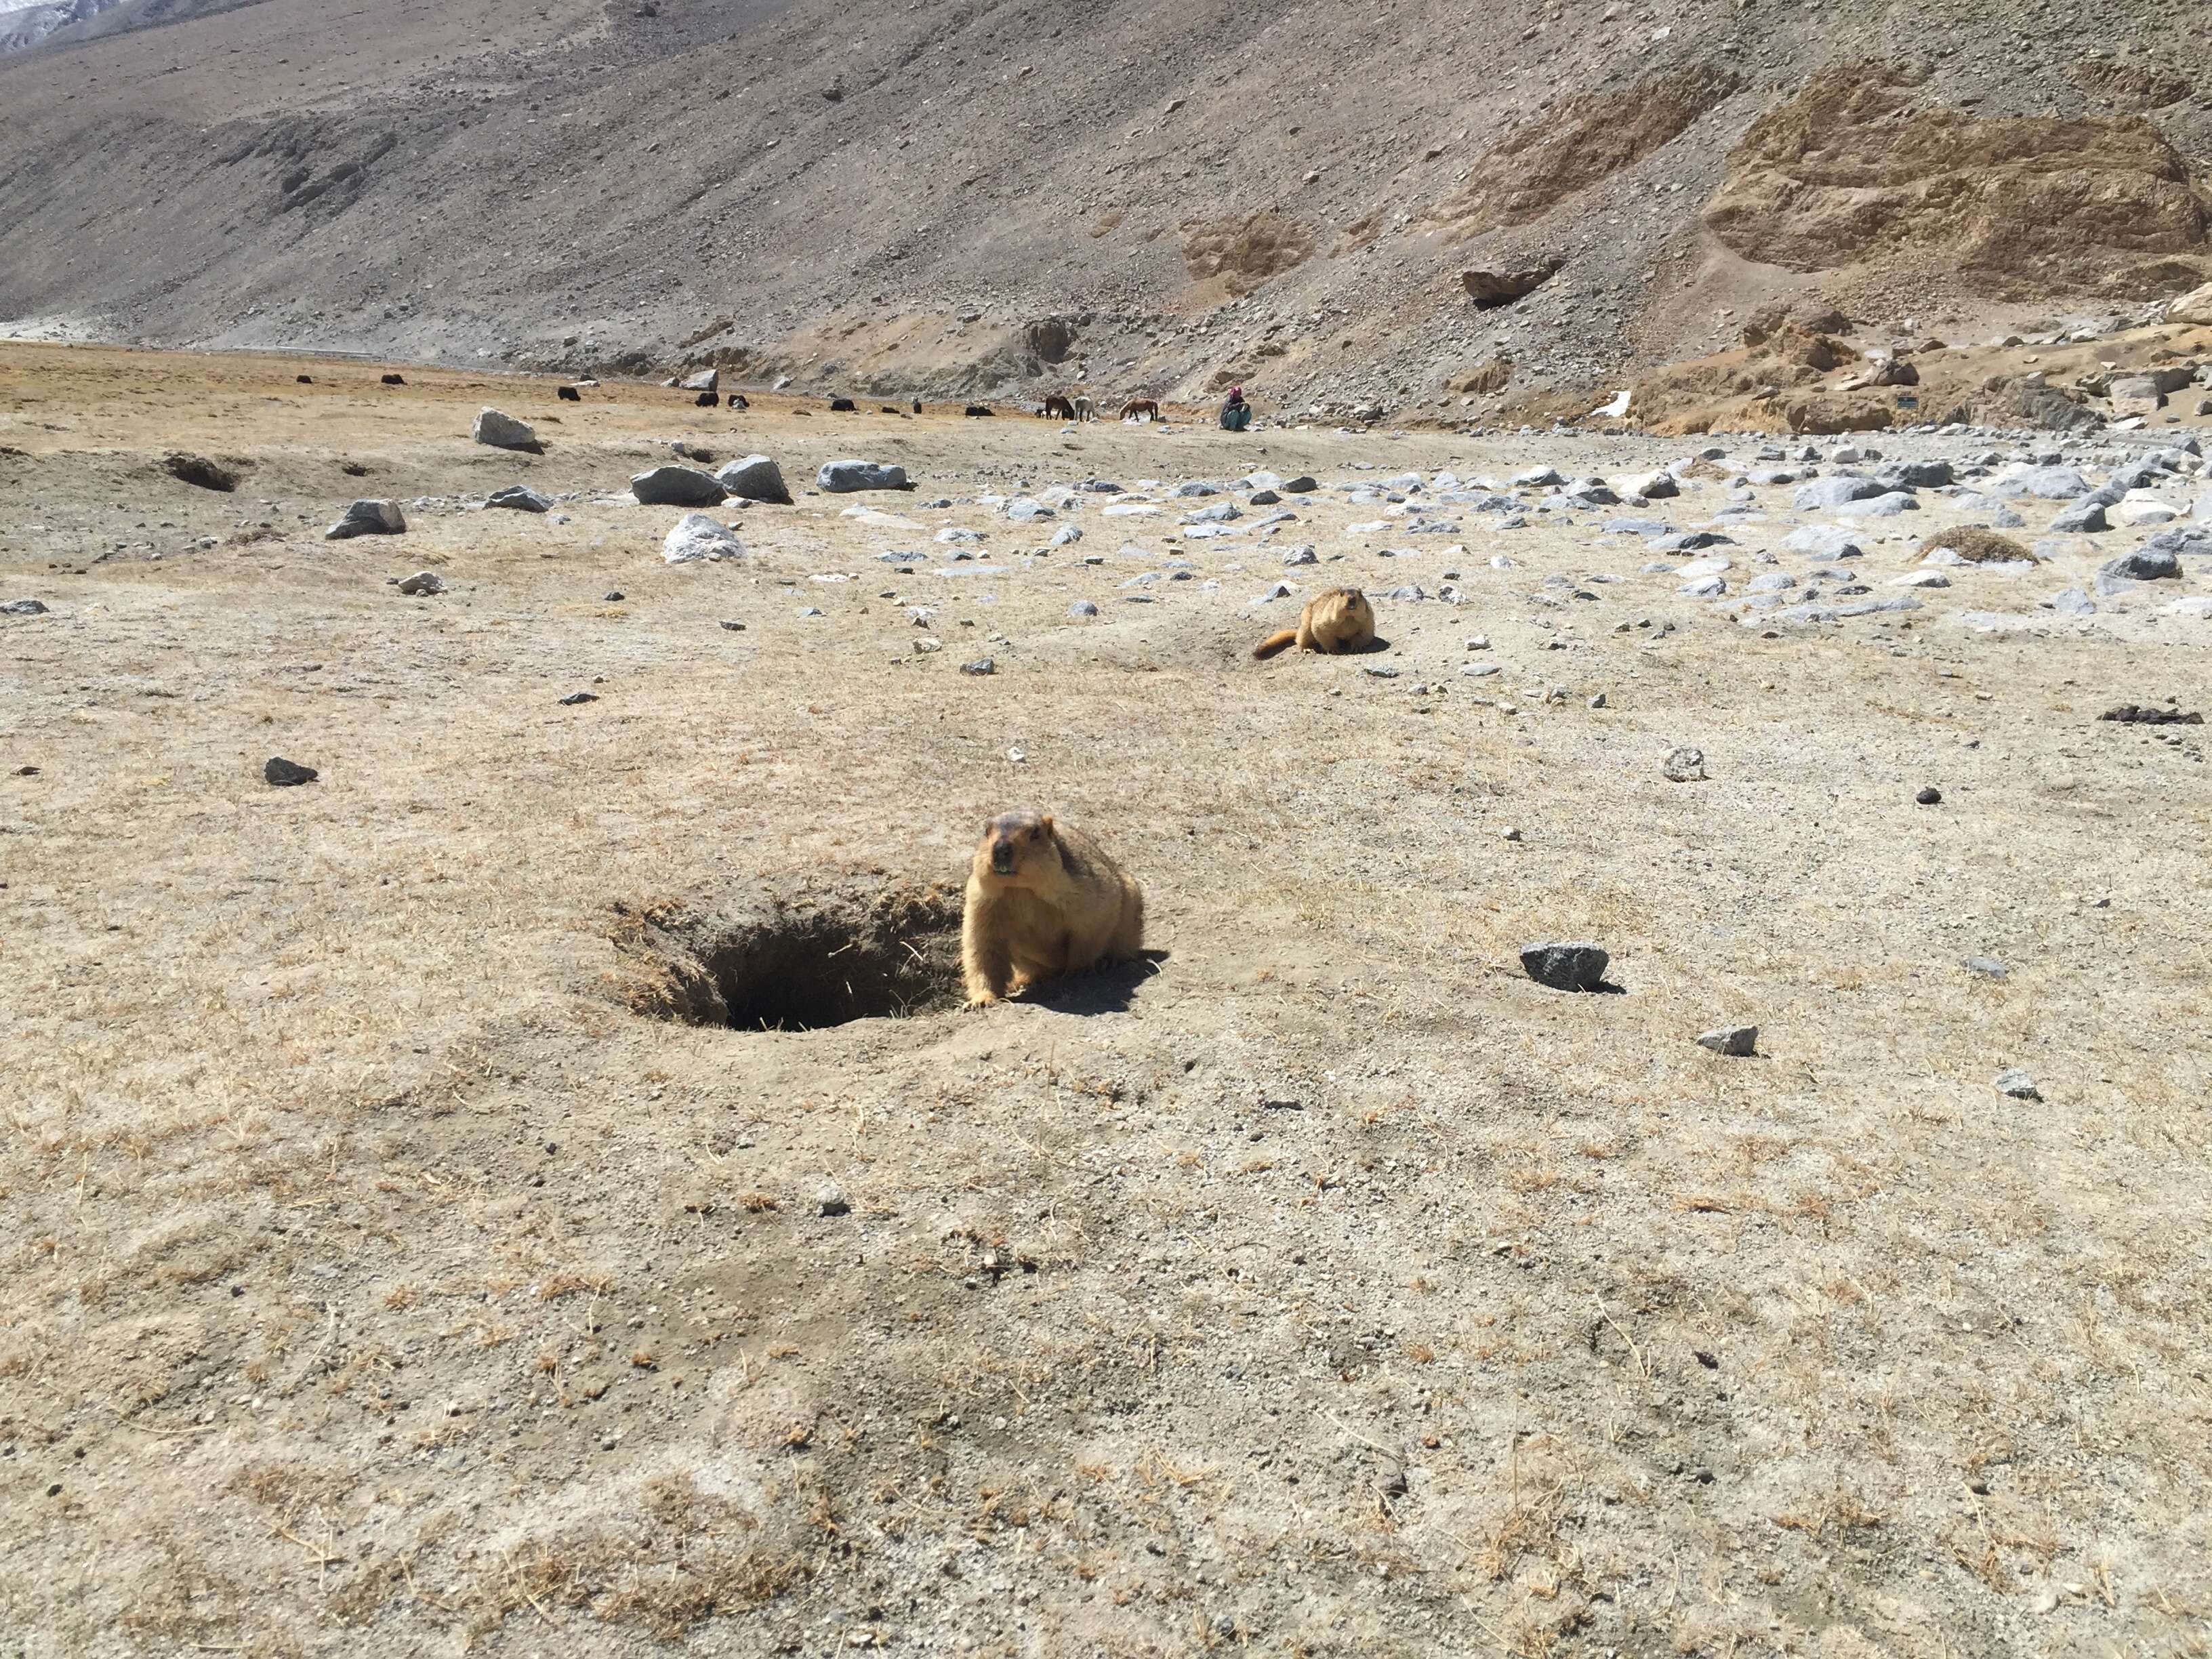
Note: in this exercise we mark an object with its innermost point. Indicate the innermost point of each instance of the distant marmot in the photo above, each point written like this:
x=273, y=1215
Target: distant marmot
x=1043, y=900
x=1338, y=621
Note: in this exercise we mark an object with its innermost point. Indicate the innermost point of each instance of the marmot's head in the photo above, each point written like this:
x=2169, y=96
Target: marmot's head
x=1013, y=841
x=1354, y=600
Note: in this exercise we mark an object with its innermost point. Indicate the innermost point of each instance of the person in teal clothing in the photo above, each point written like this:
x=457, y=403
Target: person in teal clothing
x=1235, y=413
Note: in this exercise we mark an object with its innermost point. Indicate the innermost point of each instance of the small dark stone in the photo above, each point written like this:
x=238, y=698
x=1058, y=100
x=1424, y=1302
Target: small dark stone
x=735, y=627
x=1737, y=1041
x=613, y=595
x=981, y=665
x=285, y=774
x=1578, y=967
x=1706, y=1359
x=201, y=473
x=2129, y=715
x=575, y=697
x=1930, y=798
x=831, y=1200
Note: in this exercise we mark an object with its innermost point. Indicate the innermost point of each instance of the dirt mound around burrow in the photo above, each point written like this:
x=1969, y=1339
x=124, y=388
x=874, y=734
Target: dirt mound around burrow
x=2023, y=207
x=1240, y=254
x=765, y=961
x=1586, y=139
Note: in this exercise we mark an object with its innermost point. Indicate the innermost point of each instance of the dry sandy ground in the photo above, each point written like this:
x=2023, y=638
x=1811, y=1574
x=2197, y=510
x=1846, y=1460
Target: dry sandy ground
x=381, y=1281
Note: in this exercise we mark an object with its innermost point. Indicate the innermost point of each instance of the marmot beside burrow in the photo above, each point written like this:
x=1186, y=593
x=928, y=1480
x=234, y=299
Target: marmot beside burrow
x=1043, y=900
x=1338, y=621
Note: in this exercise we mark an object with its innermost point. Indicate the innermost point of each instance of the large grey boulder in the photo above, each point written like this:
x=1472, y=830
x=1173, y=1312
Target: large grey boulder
x=697, y=538
x=1886, y=506
x=755, y=479
x=677, y=486
x=503, y=431
x=707, y=380
x=1824, y=541
x=2186, y=539
x=843, y=478
x=519, y=498
x=2085, y=517
x=1914, y=475
x=2047, y=484
x=1835, y=491
x=367, y=519
x=2145, y=564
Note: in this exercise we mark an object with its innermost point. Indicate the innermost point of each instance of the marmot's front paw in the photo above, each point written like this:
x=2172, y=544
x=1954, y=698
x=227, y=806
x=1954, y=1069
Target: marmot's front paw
x=976, y=1002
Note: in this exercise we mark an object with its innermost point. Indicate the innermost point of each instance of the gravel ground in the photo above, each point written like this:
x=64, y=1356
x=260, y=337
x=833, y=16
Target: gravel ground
x=393, y=1267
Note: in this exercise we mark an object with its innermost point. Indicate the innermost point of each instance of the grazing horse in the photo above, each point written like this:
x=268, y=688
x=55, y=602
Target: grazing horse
x=1086, y=410
x=1057, y=406
x=1147, y=407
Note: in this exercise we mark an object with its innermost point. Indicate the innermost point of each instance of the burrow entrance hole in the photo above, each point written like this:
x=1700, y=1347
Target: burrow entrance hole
x=800, y=965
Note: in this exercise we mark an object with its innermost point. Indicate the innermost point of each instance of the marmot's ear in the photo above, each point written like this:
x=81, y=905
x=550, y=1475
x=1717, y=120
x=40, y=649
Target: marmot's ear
x=1044, y=822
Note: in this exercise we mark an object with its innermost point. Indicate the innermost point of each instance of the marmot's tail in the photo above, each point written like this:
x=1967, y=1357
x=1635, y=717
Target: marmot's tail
x=1274, y=643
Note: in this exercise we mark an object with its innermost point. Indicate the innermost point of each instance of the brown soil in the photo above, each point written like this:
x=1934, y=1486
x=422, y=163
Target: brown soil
x=405, y=1257
x=1794, y=379
x=2027, y=208
x=1237, y=255
x=1585, y=139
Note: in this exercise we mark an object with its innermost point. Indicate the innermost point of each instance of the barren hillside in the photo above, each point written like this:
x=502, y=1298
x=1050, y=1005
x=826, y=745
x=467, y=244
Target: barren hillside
x=896, y=195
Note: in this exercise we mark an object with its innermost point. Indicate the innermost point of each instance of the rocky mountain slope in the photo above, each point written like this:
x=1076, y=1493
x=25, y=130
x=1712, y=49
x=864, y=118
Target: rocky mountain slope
x=1330, y=204
x=22, y=28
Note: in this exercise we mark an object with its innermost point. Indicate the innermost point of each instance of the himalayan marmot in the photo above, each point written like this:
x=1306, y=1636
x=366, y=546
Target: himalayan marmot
x=1043, y=900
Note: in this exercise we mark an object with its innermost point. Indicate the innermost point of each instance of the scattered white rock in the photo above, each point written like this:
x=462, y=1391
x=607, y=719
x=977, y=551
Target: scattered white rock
x=842, y=478
x=697, y=536
x=755, y=479
x=503, y=431
x=368, y=519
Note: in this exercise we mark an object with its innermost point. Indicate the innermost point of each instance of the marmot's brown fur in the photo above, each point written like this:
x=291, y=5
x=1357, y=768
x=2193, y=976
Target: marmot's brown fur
x=1043, y=900
x=1338, y=621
